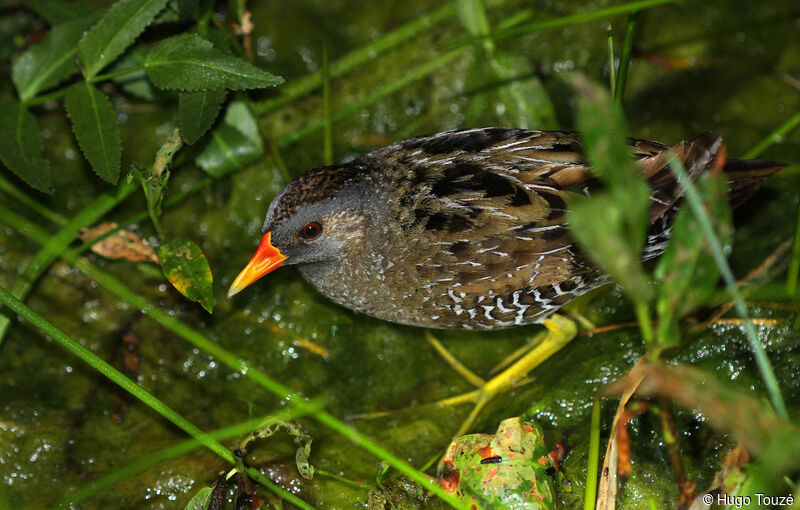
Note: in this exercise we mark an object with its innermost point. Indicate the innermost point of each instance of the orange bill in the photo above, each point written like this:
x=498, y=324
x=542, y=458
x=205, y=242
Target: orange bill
x=266, y=259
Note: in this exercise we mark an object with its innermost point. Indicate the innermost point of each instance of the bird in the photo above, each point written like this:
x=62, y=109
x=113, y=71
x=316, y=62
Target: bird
x=467, y=229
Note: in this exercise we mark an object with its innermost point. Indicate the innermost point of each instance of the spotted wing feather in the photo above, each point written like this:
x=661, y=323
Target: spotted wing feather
x=492, y=204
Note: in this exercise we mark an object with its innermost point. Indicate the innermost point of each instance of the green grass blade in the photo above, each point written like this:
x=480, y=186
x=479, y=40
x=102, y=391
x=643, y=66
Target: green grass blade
x=367, y=53
x=590, y=494
x=58, y=243
x=384, y=91
x=775, y=137
x=197, y=339
x=117, y=377
x=177, y=450
x=625, y=57
x=9, y=188
x=573, y=19
x=794, y=263
x=473, y=17
x=612, y=73
x=326, y=106
x=764, y=366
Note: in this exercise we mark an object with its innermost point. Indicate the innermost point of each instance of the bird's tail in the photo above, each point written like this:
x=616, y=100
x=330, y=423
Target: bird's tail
x=745, y=176
x=705, y=153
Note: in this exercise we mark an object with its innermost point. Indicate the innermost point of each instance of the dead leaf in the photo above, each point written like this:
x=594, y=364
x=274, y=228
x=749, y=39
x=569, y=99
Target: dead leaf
x=746, y=417
x=122, y=244
x=607, y=488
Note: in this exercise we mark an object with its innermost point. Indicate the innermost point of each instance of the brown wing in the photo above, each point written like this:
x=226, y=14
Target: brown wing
x=487, y=202
x=484, y=212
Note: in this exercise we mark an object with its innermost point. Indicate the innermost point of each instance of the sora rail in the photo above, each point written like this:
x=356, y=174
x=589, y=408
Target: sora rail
x=464, y=229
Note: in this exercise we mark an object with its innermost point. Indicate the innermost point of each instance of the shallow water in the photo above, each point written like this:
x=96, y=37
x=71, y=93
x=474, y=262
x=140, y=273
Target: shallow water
x=715, y=66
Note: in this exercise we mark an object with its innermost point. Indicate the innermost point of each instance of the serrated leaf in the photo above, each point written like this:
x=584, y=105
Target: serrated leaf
x=200, y=500
x=187, y=269
x=234, y=143
x=94, y=123
x=190, y=63
x=687, y=272
x=21, y=145
x=197, y=112
x=136, y=82
x=115, y=31
x=168, y=15
x=53, y=60
x=55, y=12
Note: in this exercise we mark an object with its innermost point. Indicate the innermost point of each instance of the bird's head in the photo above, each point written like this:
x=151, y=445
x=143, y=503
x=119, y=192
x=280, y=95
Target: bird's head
x=317, y=219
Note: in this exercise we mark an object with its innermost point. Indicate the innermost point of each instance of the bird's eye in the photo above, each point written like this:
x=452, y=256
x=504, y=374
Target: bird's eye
x=311, y=230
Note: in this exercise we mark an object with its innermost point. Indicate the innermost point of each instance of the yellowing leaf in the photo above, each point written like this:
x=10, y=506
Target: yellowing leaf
x=186, y=268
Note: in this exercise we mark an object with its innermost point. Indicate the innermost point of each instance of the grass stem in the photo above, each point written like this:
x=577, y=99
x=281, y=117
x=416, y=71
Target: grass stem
x=326, y=107
x=774, y=137
x=356, y=58
x=177, y=450
x=612, y=73
x=699, y=211
x=590, y=493
x=117, y=377
x=197, y=339
x=20, y=196
x=625, y=57
x=58, y=243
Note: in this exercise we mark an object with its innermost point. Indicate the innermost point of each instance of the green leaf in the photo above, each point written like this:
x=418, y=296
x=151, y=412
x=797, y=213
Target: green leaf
x=168, y=15
x=687, y=272
x=197, y=112
x=55, y=12
x=599, y=225
x=117, y=30
x=190, y=63
x=136, y=82
x=612, y=225
x=200, y=500
x=21, y=145
x=186, y=268
x=94, y=123
x=235, y=143
x=53, y=60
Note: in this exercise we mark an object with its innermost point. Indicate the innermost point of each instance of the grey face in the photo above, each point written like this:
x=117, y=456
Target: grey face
x=321, y=232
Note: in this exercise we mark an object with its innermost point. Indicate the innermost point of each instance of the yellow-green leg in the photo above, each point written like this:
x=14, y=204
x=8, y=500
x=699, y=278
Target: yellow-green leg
x=560, y=331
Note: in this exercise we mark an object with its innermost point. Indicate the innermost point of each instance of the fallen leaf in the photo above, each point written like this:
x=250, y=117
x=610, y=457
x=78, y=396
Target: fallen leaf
x=122, y=244
x=187, y=269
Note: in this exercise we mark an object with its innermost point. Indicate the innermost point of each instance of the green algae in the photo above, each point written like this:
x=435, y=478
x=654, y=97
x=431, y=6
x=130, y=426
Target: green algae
x=62, y=425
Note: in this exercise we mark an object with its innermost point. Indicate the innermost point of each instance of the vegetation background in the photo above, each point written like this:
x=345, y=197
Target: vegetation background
x=104, y=114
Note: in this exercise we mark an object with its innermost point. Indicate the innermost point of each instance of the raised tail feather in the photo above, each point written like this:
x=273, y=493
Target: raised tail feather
x=698, y=156
x=746, y=175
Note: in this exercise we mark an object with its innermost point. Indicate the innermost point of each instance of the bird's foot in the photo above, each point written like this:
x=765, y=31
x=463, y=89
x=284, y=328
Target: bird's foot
x=560, y=331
